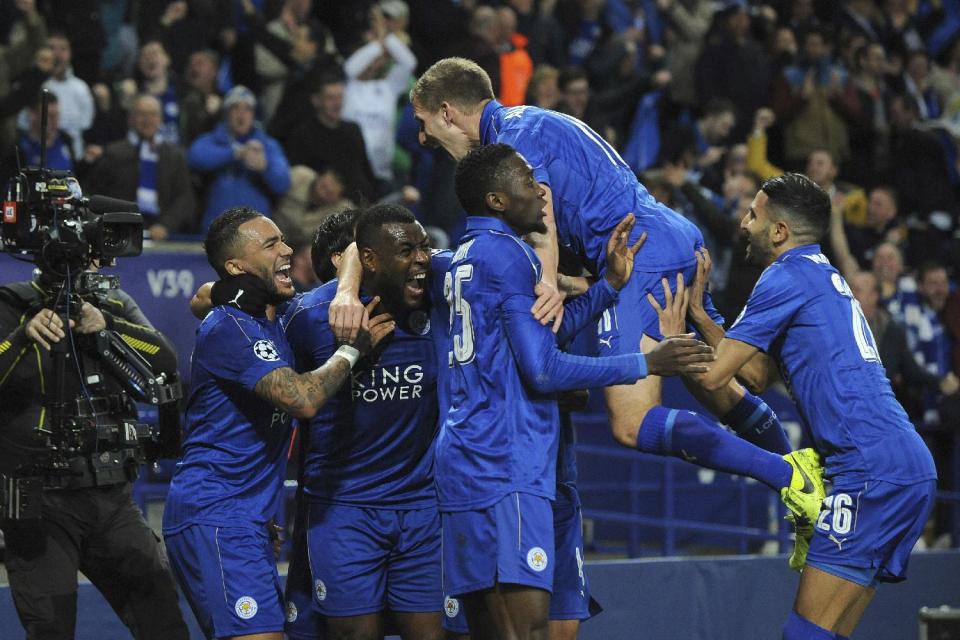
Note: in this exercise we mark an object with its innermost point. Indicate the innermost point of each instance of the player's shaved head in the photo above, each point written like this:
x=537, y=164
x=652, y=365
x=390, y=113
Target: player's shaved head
x=461, y=82
x=799, y=201
x=482, y=171
x=224, y=239
x=370, y=226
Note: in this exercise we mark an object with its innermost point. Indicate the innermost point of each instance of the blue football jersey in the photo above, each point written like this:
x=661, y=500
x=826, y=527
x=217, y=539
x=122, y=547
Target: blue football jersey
x=500, y=433
x=803, y=314
x=592, y=187
x=372, y=443
x=234, y=450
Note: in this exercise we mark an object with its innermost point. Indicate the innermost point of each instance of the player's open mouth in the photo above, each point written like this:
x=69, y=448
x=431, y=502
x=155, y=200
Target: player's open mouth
x=416, y=283
x=282, y=276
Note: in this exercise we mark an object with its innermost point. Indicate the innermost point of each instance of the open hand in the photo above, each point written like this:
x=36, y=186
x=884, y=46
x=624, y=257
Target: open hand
x=620, y=256
x=673, y=315
x=549, y=305
x=698, y=289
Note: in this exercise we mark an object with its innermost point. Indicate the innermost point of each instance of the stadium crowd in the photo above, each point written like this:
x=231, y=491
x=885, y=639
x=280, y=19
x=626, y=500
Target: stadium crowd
x=299, y=109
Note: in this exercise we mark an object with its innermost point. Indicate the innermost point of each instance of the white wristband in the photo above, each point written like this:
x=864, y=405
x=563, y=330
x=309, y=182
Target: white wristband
x=348, y=353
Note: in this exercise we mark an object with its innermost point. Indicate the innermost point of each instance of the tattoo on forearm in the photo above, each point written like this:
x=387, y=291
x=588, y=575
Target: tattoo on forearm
x=293, y=392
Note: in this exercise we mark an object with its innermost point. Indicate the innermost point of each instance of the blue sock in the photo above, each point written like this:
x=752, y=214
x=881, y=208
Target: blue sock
x=799, y=628
x=755, y=422
x=686, y=435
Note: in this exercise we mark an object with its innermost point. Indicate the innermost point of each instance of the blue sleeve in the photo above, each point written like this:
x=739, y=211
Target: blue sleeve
x=527, y=145
x=242, y=354
x=210, y=152
x=310, y=337
x=772, y=304
x=542, y=365
x=586, y=309
x=277, y=174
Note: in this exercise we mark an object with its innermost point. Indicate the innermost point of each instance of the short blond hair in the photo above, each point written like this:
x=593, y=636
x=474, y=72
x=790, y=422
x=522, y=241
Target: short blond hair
x=459, y=81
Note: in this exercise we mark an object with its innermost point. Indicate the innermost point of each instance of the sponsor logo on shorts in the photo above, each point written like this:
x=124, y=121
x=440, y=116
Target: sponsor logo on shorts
x=451, y=607
x=265, y=350
x=291, y=613
x=246, y=607
x=320, y=590
x=537, y=559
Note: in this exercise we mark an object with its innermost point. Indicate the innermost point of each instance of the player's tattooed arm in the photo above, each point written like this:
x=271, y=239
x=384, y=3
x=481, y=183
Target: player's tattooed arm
x=303, y=394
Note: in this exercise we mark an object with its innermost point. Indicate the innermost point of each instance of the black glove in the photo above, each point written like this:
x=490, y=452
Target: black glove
x=245, y=292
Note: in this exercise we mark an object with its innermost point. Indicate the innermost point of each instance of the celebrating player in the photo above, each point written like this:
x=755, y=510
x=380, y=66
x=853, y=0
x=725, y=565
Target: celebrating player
x=226, y=485
x=803, y=317
x=497, y=449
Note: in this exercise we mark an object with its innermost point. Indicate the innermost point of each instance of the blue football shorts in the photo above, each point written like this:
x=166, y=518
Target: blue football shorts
x=622, y=325
x=229, y=576
x=866, y=530
x=364, y=560
x=511, y=542
x=571, y=590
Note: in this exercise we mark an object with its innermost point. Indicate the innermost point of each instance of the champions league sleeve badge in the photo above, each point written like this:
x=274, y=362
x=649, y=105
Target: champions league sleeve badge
x=265, y=350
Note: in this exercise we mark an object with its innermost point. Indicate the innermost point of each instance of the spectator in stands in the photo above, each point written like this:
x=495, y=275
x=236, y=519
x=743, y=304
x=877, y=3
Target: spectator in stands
x=888, y=268
x=73, y=94
x=574, y=93
x=918, y=167
x=544, y=89
x=881, y=225
x=149, y=170
x=153, y=65
x=200, y=105
x=327, y=140
x=110, y=122
x=313, y=197
x=20, y=74
x=861, y=17
x=59, y=145
x=586, y=29
x=901, y=368
x=378, y=74
x=711, y=132
x=821, y=167
x=297, y=41
x=687, y=23
x=916, y=84
x=863, y=107
x=806, y=100
x=482, y=42
x=545, y=41
x=734, y=65
x=516, y=66
x=243, y=165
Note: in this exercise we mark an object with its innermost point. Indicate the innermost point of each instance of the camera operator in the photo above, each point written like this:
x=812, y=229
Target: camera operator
x=88, y=520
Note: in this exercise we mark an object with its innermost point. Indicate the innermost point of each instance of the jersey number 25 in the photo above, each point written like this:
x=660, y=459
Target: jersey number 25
x=462, y=336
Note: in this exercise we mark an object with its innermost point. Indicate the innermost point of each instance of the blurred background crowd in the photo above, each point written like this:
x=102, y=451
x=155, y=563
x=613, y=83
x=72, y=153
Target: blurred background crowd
x=299, y=108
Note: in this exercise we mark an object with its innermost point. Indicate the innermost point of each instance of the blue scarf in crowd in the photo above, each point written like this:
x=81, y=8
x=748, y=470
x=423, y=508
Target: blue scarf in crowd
x=147, y=197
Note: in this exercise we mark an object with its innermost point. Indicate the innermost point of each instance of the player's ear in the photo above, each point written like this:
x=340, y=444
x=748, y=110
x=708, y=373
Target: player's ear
x=369, y=259
x=495, y=201
x=233, y=267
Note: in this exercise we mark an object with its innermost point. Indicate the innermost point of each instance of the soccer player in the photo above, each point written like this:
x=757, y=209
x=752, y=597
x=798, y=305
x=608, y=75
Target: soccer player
x=373, y=529
x=497, y=449
x=802, y=317
x=244, y=390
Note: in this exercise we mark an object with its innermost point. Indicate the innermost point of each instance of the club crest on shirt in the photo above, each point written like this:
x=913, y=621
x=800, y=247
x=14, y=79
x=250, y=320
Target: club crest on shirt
x=291, y=613
x=537, y=559
x=419, y=323
x=320, y=590
x=451, y=607
x=265, y=350
x=246, y=607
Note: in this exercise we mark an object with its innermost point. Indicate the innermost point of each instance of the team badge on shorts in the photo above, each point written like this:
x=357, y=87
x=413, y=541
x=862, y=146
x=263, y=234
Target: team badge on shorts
x=537, y=559
x=320, y=590
x=246, y=607
x=265, y=350
x=291, y=612
x=451, y=607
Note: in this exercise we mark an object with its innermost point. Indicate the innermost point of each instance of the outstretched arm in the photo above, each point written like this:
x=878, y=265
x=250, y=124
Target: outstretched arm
x=302, y=394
